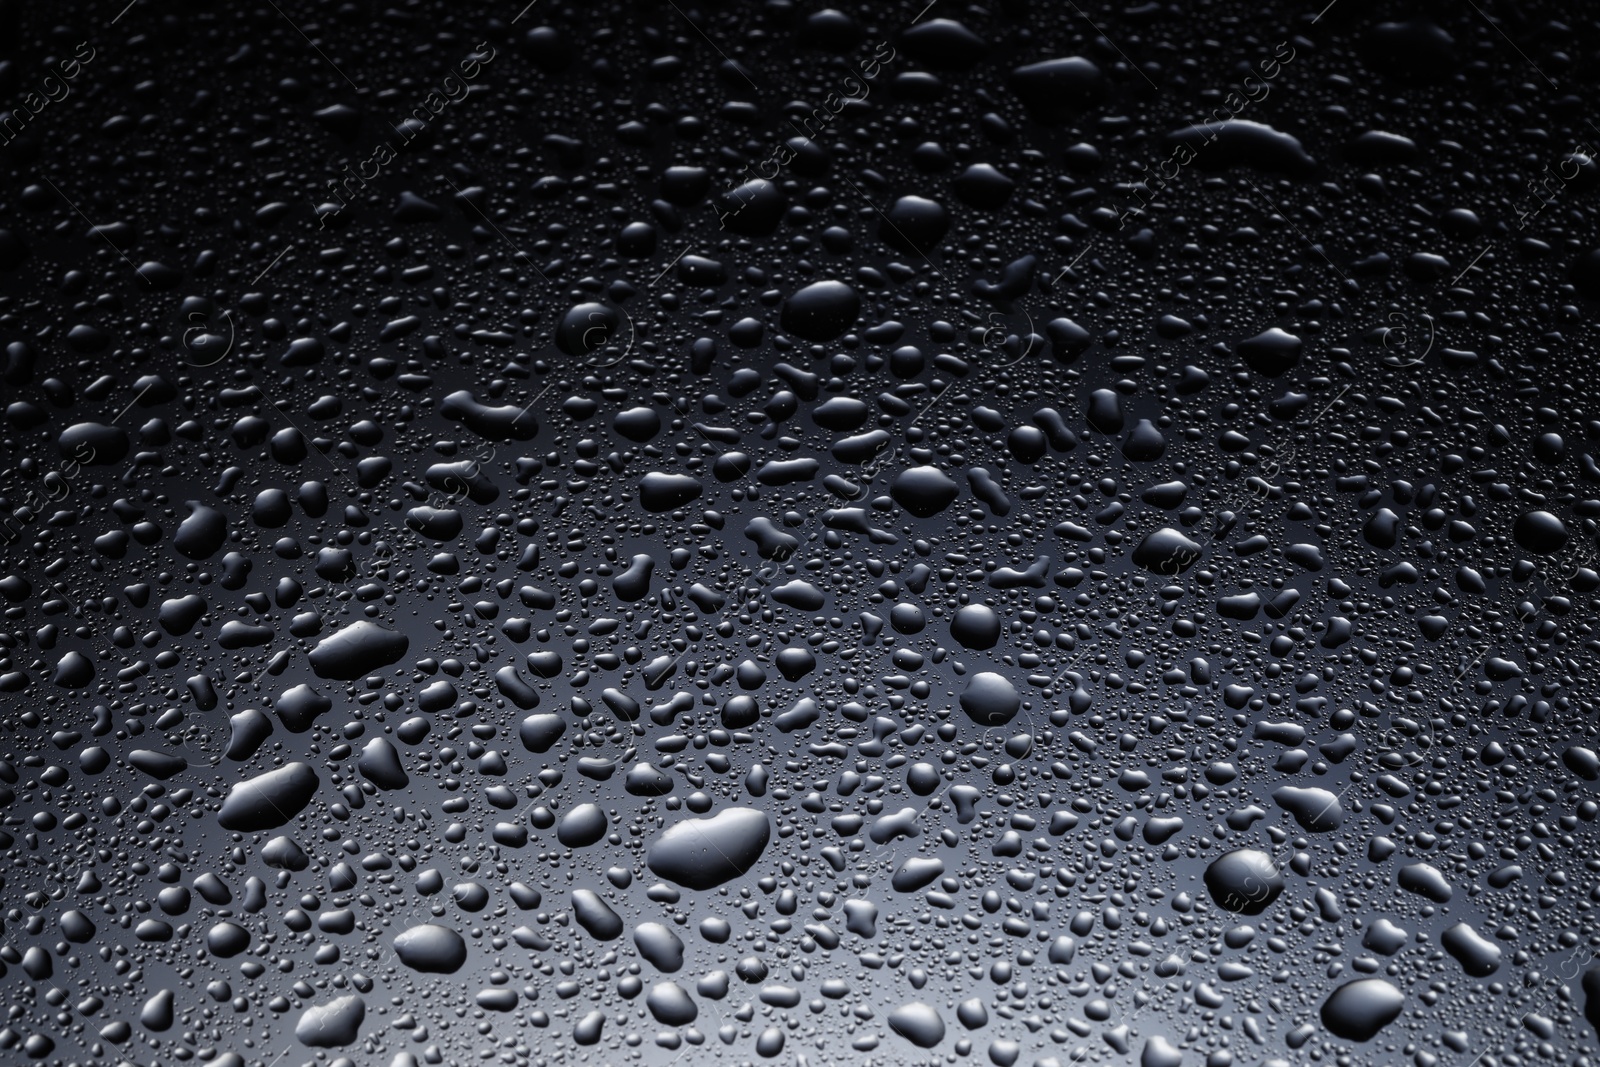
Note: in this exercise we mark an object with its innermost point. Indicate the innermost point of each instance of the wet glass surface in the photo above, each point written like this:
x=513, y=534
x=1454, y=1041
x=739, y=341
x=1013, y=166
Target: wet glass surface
x=758, y=532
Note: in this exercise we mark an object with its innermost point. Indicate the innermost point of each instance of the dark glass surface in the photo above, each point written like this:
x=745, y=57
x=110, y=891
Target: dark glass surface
x=751, y=532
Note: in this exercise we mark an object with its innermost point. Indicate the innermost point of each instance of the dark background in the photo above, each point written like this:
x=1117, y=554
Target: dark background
x=228, y=406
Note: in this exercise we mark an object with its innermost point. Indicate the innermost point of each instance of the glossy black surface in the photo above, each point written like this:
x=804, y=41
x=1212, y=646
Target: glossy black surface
x=752, y=532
